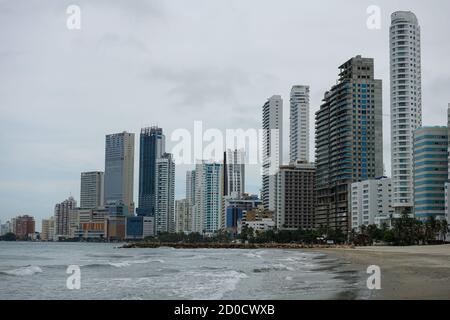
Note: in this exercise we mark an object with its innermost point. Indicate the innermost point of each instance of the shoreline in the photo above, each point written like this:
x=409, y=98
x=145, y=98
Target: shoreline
x=244, y=246
x=412, y=273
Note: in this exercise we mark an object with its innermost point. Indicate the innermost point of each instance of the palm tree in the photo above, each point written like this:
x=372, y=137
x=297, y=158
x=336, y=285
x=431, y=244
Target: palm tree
x=444, y=229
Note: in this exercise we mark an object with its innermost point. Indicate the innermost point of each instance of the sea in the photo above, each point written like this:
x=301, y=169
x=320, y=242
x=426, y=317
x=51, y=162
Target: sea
x=37, y=270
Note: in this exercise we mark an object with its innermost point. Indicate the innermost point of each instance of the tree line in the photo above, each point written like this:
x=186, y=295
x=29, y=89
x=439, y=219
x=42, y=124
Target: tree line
x=404, y=231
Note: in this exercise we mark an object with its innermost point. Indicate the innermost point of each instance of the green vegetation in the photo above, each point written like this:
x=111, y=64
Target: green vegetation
x=8, y=237
x=249, y=235
x=405, y=231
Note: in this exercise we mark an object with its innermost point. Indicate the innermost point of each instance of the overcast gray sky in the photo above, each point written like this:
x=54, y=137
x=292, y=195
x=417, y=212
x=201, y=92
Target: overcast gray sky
x=171, y=62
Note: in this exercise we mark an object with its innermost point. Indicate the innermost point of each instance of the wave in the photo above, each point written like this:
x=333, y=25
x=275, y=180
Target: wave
x=274, y=267
x=128, y=263
x=23, y=271
x=210, y=285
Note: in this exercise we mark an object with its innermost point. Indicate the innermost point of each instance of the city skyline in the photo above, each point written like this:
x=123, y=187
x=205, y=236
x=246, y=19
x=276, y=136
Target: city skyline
x=53, y=182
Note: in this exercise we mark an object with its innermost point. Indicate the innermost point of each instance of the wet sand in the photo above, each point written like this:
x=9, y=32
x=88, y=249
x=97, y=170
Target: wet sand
x=419, y=272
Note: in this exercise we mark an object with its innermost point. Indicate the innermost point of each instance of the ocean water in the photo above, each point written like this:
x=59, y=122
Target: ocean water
x=38, y=271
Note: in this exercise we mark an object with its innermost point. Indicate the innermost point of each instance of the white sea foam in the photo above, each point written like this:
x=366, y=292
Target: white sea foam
x=128, y=263
x=207, y=285
x=23, y=271
x=119, y=264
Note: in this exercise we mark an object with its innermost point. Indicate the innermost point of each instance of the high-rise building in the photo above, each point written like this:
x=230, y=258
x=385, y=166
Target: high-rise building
x=295, y=197
x=447, y=184
x=233, y=178
x=182, y=216
x=208, y=197
x=119, y=169
x=152, y=147
x=48, y=229
x=63, y=212
x=24, y=227
x=299, y=124
x=91, y=193
x=165, y=194
x=406, y=104
x=272, y=148
x=371, y=202
x=190, y=197
x=430, y=172
x=349, y=140
x=234, y=172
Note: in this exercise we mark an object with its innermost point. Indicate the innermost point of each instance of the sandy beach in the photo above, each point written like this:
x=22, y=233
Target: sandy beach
x=418, y=272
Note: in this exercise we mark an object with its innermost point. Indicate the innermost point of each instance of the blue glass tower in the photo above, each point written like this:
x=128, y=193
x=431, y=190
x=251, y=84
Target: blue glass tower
x=152, y=147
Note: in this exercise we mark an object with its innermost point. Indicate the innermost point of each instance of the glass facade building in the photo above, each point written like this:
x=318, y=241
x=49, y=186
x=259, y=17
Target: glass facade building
x=430, y=171
x=152, y=147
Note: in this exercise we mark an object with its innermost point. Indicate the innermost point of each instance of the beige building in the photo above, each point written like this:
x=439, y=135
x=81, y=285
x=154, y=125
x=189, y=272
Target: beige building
x=48, y=229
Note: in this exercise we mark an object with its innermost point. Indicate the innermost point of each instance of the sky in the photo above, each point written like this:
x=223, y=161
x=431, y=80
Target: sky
x=172, y=62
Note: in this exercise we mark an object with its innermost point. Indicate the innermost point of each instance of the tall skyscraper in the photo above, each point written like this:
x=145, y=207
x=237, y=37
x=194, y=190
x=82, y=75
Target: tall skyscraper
x=208, y=197
x=272, y=148
x=119, y=169
x=165, y=194
x=447, y=184
x=91, y=193
x=406, y=104
x=295, y=197
x=234, y=172
x=430, y=172
x=349, y=140
x=299, y=126
x=63, y=212
x=190, y=197
x=152, y=147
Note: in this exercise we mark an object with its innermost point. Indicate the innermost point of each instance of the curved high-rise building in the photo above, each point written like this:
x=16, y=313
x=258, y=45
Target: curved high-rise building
x=430, y=172
x=406, y=104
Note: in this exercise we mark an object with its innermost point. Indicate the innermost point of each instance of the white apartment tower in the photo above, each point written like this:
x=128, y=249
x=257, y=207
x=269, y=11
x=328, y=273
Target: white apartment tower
x=272, y=148
x=234, y=172
x=406, y=104
x=371, y=202
x=299, y=124
x=208, y=197
x=165, y=194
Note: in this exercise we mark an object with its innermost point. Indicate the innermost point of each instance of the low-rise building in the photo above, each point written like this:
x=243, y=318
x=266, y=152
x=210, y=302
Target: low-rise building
x=90, y=224
x=140, y=227
x=236, y=207
x=259, y=219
